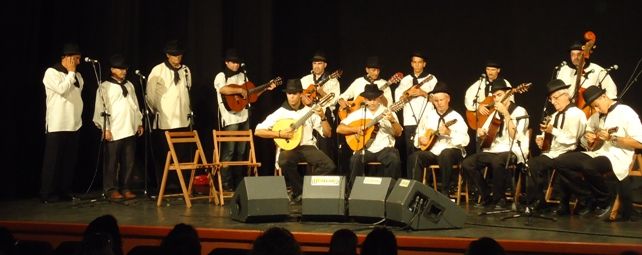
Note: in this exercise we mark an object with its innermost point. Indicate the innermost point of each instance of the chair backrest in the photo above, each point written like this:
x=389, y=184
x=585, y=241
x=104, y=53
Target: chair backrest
x=636, y=165
x=244, y=136
x=185, y=137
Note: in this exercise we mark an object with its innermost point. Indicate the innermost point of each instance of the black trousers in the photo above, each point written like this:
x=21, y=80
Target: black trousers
x=233, y=151
x=473, y=166
x=409, y=140
x=539, y=168
x=389, y=158
x=318, y=161
x=160, y=153
x=118, y=164
x=446, y=159
x=328, y=145
x=59, y=163
x=585, y=177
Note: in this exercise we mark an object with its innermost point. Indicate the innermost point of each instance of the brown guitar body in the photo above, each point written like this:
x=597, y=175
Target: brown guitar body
x=548, y=137
x=432, y=136
x=598, y=143
x=493, y=128
x=357, y=142
x=236, y=102
x=477, y=119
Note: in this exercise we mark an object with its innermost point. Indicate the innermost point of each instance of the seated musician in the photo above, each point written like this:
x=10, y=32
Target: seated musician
x=450, y=137
x=559, y=136
x=381, y=147
x=306, y=151
x=509, y=141
x=373, y=68
x=611, y=136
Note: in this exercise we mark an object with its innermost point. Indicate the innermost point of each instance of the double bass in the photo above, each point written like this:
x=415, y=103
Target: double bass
x=584, y=55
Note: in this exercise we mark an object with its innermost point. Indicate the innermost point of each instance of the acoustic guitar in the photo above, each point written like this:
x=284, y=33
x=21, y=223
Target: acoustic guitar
x=579, y=91
x=297, y=125
x=598, y=143
x=477, y=119
x=236, y=102
x=311, y=90
x=406, y=93
x=493, y=128
x=432, y=136
x=356, y=104
x=357, y=142
x=548, y=137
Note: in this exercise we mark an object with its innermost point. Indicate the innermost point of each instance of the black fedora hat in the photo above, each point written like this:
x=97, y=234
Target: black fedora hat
x=174, y=48
x=233, y=56
x=371, y=92
x=419, y=54
x=293, y=86
x=118, y=61
x=577, y=45
x=592, y=93
x=498, y=84
x=493, y=63
x=440, y=87
x=373, y=62
x=319, y=56
x=556, y=85
x=69, y=49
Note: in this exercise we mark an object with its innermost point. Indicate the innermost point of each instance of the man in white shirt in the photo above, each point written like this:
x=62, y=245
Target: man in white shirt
x=118, y=116
x=419, y=104
x=562, y=134
x=510, y=142
x=381, y=147
x=618, y=127
x=450, y=140
x=232, y=74
x=594, y=74
x=319, y=63
x=478, y=91
x=307, y=151
x=63, y=86
x=168, y=86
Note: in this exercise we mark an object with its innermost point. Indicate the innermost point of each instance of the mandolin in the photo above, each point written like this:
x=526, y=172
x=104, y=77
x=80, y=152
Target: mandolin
x=236, y=102
x=598, y=143
x=297, y=126
x=356, y=104
x=357, y=142
x=432, y=136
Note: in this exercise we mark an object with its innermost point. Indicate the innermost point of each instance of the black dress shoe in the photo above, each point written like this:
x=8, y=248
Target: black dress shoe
x=583, y=209
x=602, y=212
x=562, y=210
x=296, y=199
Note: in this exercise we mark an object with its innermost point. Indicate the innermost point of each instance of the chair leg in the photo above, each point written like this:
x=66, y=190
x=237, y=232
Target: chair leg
x=161, y=190
x=188, y=202
x=220, y=187
x=434, y=179
x=616, y=208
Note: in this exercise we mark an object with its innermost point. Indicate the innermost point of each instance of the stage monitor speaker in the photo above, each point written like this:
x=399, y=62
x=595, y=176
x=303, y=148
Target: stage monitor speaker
x=415, y=205
x=367, y=200
x=323, y=198
x=260, y=199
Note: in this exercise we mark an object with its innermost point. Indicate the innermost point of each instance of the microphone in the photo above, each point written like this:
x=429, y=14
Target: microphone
x=137, y=72
x=242, y=67
x=89, y=60
x=612, y=68
x=363, y=104
x=483, y=76
x=521, y=117
x=557, y=67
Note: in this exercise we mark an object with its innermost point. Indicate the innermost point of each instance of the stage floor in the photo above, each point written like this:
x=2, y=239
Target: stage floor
x=143, y=212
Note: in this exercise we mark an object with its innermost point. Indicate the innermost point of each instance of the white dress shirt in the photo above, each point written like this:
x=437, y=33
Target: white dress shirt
x=314, y=122
x=358, y=86
x=503, y=143
x=228, y=117
x=565, y=137
x=384, y=137
x=418, y=107
x=628, y=123
x=458, y=137
x=64, y=104
x=595, y=74
x=331, y=86
x=124, y=114
x=170, y=101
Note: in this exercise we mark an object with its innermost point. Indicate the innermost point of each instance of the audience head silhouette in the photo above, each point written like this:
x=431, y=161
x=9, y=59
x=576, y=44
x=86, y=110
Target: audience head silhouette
x=485, y=246
x=182, y=240
x=380, y=241
x=276, y=241
x=106, y=224
x=343, y=242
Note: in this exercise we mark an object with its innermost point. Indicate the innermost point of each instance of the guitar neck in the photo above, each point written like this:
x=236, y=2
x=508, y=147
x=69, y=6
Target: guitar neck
x=258, y=89
x=305, y=117
x=393, y=108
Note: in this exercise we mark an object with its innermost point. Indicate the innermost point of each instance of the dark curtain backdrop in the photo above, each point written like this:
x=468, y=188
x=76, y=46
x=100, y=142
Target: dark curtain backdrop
x=278, y=38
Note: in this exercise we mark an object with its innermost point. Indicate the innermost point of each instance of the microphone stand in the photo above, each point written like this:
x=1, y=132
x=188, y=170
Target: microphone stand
x=147, y=140
x=476, y=105
x=632, y=79
x=190, y=115
x=528, y=210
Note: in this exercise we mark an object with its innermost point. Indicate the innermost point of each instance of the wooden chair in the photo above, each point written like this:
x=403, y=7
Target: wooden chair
x=460, y=181
x=241, y=136
x=172, y=163
x=634, y=170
